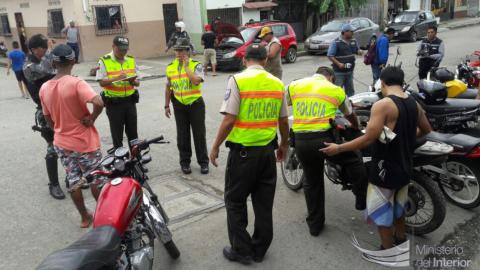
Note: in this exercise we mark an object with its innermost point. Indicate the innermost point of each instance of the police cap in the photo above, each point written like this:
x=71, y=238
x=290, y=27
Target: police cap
x=256, y=51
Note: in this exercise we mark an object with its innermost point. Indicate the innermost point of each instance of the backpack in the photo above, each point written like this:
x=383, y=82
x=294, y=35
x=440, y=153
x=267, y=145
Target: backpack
x=68, y=27
x=369, y=58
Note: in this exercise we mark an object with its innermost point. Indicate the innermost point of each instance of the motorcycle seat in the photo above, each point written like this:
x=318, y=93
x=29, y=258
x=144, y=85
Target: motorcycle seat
x=468, y=94
x=449, y=106
x=461, y=143
x=99, y=248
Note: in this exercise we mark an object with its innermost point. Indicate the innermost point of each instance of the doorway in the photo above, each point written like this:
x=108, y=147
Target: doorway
x=22, y=35
x=170, y=17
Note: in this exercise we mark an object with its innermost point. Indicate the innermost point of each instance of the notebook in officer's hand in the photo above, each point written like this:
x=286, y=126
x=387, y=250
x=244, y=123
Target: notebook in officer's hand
x=128, y=78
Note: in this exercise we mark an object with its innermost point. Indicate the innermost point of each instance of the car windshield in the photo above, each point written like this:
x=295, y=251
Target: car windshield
x=406, y=18
x=335, y=26
x=247, y=33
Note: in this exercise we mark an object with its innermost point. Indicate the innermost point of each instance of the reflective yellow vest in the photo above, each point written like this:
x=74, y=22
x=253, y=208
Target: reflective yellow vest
x=120, y=88
x=261, y=96
x=183, y=89
x=315, y=100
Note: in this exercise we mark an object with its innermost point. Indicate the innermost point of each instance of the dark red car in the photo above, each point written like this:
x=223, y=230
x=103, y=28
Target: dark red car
x=234, y=41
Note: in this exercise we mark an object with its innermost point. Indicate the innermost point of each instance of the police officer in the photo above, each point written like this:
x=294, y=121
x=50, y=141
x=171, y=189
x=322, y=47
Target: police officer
x=180, y=33
x=254, y=103
x=315, y=100
x=342, y=53
x=38, y=69
x=185, y=77
x=430, y=50
x=118, y=75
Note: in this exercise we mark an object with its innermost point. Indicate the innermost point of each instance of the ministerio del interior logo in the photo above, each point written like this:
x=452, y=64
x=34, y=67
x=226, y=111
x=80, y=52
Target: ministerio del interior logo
x=399, y=256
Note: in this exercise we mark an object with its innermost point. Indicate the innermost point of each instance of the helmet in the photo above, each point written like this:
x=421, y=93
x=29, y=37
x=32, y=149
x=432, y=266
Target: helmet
x=180, y=25
x=443, y=75
x=433, y=92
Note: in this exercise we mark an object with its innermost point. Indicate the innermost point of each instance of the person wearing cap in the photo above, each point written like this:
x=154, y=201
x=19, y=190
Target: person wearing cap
x=38, y=70
x=184, y=89
x=315, y=100
x=342, y=53
x=209, y=41
x=118, y=75
x=72, y=34
x=274, y=49
x=180, y=33
x=217, y=20
x=254, y=106
x=64, y=101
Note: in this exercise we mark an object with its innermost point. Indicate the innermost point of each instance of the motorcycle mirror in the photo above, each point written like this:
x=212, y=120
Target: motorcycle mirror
x=399, y=50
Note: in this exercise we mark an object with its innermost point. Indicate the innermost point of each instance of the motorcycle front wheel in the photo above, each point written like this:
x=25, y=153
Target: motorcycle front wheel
x=292, y=171
x=426, y=207
x=172, y=249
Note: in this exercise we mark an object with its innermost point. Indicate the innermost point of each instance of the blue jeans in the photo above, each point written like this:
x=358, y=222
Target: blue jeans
x=376, y=72
x=76, y=49
x=345, y=80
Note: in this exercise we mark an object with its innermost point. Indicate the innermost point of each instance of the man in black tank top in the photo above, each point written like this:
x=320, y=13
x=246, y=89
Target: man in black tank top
x=392, y=163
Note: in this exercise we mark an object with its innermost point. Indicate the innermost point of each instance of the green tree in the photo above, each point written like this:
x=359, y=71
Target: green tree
x=341, y=5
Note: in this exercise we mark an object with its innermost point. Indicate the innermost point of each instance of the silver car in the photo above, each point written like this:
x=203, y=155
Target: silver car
x=366, y=34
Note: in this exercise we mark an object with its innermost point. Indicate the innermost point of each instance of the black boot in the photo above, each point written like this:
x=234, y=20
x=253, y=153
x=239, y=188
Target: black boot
x=360, y=202
x=52, y=171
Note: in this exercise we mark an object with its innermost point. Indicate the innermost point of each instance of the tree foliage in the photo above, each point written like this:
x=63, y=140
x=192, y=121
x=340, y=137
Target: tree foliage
x=341, y=5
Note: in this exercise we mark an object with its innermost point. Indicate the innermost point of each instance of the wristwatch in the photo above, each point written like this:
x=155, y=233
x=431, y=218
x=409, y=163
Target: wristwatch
x=166, y=107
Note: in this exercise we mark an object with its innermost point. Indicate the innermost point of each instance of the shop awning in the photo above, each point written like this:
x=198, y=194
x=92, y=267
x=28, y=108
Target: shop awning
x=260, y=4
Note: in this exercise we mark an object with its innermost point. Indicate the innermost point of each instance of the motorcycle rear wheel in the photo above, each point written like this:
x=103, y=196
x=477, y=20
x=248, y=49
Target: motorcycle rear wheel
x=427, y=220
x=172, y=249
x=293, y=178
x=465, y=168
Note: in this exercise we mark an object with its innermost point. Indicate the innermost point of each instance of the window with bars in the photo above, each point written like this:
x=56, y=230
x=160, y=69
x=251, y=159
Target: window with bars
x=55, y=23
x=5, y=26
x=110, y=20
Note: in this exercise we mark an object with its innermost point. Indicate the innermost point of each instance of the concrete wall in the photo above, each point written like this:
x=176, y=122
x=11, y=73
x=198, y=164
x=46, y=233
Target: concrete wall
x=248, y=14
x=216, y=4
x=146, y=25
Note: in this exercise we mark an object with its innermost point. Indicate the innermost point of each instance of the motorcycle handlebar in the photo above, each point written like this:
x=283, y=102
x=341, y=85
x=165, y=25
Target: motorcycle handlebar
x=154, y=140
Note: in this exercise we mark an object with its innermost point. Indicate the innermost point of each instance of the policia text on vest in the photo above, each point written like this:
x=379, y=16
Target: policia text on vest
x=185, y=76
x=117, y=75
x=254, y=107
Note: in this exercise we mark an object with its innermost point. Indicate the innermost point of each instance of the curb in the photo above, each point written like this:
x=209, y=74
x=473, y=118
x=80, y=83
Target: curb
x=461, y=25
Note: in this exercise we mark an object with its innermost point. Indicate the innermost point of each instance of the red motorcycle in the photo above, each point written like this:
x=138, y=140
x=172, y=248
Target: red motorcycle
x=127, y=219
x=469, y=72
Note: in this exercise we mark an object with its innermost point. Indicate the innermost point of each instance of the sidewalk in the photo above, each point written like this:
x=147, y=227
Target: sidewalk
x=459, y=23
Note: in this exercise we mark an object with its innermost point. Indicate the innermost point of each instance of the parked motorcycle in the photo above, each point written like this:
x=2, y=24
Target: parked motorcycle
x=468, y=74
x=127, y=219
x=426, y=205
x=456, y=88
x=3, y=49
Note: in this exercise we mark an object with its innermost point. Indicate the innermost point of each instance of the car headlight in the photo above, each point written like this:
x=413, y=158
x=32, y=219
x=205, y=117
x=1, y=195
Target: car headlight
x=307, y=40
x=230, y=54
x=327, y=41
x=406, y=28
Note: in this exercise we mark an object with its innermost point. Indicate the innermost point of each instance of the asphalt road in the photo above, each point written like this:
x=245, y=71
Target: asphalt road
x=33, y=224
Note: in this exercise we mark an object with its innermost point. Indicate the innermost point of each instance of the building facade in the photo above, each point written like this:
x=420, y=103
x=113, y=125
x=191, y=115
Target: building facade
x=148, y=24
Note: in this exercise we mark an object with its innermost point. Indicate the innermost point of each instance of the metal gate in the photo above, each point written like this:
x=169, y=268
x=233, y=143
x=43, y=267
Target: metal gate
x=170, y=17
x=472, y=8
x=228, y=15
x=291, y=12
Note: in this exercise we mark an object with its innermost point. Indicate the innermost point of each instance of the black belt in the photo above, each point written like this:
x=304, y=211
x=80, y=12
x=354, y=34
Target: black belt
x=313, y=135
x=239, y=146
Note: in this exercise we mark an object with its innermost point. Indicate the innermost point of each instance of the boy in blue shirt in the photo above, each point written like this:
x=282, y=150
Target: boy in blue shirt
x=381, y=51
x=15, y=61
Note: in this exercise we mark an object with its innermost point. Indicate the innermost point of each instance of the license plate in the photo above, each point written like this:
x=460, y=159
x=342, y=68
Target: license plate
x=396, y=34
x=313, y=46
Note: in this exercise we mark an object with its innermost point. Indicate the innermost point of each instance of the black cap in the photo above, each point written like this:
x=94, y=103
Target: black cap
x=37, y=40
x=182, y=44
x=257, y=51
x=329, y=71
x=63, y=53
x=121, y=42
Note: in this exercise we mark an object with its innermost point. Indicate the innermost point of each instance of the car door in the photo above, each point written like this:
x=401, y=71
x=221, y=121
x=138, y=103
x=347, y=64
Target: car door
x=359, y=34
x=431, y=19
x=281, y=32
x=368, y=31
x=422, y=25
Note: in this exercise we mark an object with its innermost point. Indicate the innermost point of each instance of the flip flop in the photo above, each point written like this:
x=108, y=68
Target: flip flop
x=90, y=223
x=215, y=75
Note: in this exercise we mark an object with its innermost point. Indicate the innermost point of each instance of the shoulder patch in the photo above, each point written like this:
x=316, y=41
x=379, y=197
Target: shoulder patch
x=107, y=56
x=227, y=93
x=170, y=63
x=194, y=61
x=130, y=56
